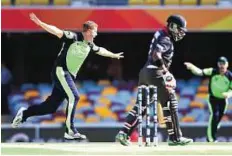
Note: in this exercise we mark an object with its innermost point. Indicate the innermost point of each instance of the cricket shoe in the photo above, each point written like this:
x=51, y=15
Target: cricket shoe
x=74, y=136
x=181, y=142
x=18, y=119
x=212, y=140
x=123, y=138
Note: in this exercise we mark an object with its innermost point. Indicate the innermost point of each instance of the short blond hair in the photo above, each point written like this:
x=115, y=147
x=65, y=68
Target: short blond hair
x=89, y=25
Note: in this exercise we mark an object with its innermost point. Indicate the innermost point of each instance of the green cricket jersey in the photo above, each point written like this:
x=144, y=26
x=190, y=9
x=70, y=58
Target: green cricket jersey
x=218, y=83
x=73, y=52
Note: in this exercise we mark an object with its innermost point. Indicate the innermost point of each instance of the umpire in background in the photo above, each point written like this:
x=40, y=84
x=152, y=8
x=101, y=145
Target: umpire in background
x=220, y=89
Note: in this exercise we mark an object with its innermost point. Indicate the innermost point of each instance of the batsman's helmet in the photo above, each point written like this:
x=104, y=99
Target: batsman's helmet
x=176, y=25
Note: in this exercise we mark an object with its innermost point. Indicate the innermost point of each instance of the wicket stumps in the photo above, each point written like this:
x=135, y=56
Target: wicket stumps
x=147, y=94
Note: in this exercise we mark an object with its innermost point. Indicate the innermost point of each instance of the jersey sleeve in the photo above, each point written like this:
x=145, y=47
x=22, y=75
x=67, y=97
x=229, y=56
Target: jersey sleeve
x=230, y=81
x=94, y=47
x=69, y=36
x=208, y=71
x=162, y=45
x=230, y=85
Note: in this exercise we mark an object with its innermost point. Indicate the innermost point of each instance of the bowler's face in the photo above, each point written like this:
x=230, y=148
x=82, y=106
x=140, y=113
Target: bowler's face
x=222, y=66
x=93, y=32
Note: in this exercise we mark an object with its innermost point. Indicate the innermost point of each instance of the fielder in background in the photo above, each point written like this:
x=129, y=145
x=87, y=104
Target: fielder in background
x=72, y=55
x=156, y=72
x=220, y=89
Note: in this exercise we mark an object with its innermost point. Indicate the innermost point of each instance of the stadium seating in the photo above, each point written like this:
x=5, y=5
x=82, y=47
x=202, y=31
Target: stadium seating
x=106, y=101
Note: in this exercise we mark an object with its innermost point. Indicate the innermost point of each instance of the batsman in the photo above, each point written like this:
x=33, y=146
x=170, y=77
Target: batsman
x=156, y=72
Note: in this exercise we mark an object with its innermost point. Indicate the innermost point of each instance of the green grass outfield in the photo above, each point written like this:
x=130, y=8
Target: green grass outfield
x=113, y=149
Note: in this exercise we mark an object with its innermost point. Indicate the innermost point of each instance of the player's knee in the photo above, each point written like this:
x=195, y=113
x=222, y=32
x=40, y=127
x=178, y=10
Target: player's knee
x=55, y=100
x=173, y=106
x=52, y=110
x=76, y=98
x=221, y=114
x=215, y=115
x=135, y=108
x=173, y=101
x=52, y=103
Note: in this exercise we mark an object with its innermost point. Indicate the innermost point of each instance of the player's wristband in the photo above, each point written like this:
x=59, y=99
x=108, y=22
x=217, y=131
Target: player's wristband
x=203, y=73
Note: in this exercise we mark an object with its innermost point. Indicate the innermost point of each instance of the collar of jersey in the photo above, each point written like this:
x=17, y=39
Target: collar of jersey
x=84, y=41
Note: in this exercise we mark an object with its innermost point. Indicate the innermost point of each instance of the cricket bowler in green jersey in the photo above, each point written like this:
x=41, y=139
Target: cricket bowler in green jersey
x=70, y=59
x=220, y=89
